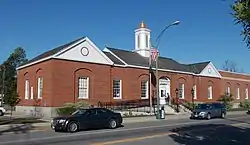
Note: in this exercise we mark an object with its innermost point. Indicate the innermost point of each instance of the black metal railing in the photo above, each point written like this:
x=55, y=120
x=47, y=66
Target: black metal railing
x=130, y=105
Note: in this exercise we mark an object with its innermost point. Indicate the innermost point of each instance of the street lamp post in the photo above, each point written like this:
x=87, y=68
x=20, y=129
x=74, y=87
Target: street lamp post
x=177, y=100
x=157, y=42
x=192, y=97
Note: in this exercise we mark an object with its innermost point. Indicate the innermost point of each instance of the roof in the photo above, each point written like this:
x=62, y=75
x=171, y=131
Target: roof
x=133, y=58
x=113, y=58
x=198, y=67
x=52, y=51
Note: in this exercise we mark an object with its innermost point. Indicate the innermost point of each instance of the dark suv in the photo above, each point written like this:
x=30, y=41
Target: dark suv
x=209, y=110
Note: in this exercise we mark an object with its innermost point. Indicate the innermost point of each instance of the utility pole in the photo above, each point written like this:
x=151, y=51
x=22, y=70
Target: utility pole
x=157, y=42
x=3, y=80
x=157, y=88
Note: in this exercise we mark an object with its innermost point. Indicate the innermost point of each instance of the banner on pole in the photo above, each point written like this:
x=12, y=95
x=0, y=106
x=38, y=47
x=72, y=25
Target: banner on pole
x=154, y=53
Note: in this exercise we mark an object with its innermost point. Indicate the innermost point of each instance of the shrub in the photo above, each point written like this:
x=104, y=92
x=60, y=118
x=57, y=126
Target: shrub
x=226, y=99
x=245, y=104
x=69, y=108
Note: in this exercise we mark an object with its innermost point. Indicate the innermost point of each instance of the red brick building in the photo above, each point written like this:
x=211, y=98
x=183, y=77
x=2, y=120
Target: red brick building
x=79, y=70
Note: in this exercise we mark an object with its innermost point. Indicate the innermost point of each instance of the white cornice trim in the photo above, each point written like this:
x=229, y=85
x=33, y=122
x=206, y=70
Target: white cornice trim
x=49, y=57
x=235, y=73
x=216, y=71
x=35, y=62
x=107, y=50
x=110, y=62
x=235, y=79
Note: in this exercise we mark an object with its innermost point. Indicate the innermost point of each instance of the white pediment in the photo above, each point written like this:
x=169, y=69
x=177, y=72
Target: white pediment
x=211, y=71
x=85, y=51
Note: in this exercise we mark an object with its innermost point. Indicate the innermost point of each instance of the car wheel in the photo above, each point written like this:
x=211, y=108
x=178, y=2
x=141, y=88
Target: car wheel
x=112, y=123
x=208, y=116
x=1, y=113
x=223, y=115
x=72, y=127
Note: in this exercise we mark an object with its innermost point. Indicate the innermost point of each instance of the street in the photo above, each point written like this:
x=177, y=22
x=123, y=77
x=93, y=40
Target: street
x=235, y=129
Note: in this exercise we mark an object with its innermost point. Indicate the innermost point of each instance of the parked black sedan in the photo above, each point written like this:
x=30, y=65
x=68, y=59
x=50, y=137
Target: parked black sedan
x=87, y=118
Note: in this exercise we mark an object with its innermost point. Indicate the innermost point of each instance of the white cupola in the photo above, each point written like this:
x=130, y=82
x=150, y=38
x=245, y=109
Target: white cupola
x=142, y=40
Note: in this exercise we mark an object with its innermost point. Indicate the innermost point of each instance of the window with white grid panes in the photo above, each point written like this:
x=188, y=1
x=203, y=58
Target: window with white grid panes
x=181, y=91
x=40, y=88
x=117, y=94
x=238, y=93
x=144, y=89
x=210, y=92
x=83, y=87
x=27, y=89
x=246, y=93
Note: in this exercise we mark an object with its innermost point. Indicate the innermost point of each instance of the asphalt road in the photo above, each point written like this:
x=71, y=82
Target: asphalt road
x=232, y=130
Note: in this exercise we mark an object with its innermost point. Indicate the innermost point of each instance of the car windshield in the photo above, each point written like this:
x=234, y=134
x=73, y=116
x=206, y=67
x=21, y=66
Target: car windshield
x=203, y=106
x=80, y=112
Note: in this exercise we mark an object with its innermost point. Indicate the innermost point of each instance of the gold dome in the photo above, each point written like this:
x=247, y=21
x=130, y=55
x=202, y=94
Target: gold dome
x=142, y=25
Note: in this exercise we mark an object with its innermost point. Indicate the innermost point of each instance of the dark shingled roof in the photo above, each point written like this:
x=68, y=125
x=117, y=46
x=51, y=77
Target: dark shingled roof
x=133, y=58
x=113, y=58
x=52, y=51
x=198, y=67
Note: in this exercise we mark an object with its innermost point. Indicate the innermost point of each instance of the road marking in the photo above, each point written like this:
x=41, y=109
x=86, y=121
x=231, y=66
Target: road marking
x=118, y=130
x=135, y=139
x=159, y=135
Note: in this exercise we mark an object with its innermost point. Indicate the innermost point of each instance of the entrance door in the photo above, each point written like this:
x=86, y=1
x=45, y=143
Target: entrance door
x=164, y=89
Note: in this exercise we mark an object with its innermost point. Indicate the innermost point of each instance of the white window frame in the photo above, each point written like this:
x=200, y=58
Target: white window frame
x=146, y=90
x=195, y=92
x=40, y=87
x=246, y=93
x=26, y=89
x=228, y=90
x=210, y=92
x=31, y=92
x=181, y=91
x=82, y=87
x=237, y=93
x=120, y=89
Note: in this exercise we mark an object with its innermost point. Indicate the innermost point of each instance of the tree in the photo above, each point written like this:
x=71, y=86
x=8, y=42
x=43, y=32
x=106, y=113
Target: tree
x=12, y=98
x=16, y=58
x=230, y=66
x=241, y=14
x=227, y=99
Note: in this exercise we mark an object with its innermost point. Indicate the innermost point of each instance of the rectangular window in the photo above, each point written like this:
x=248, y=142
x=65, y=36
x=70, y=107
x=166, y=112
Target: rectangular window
x=26, y=89
x=181, y=89
x=146, y=40
x=138, y=41
x=210, y=92
x=144, y=89
x=40, y=88
x=228, y=91
x=31, y=93
x=117, y=89
x=83, y=87
x=246, y=93
x=195, y=92
x=238, y=93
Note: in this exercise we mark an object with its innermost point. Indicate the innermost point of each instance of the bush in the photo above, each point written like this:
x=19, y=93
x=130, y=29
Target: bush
x=245, y=104
x=69, y=108
x=227, y=99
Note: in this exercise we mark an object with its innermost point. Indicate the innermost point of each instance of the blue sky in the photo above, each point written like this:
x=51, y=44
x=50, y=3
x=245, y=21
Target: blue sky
x=206, y=32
